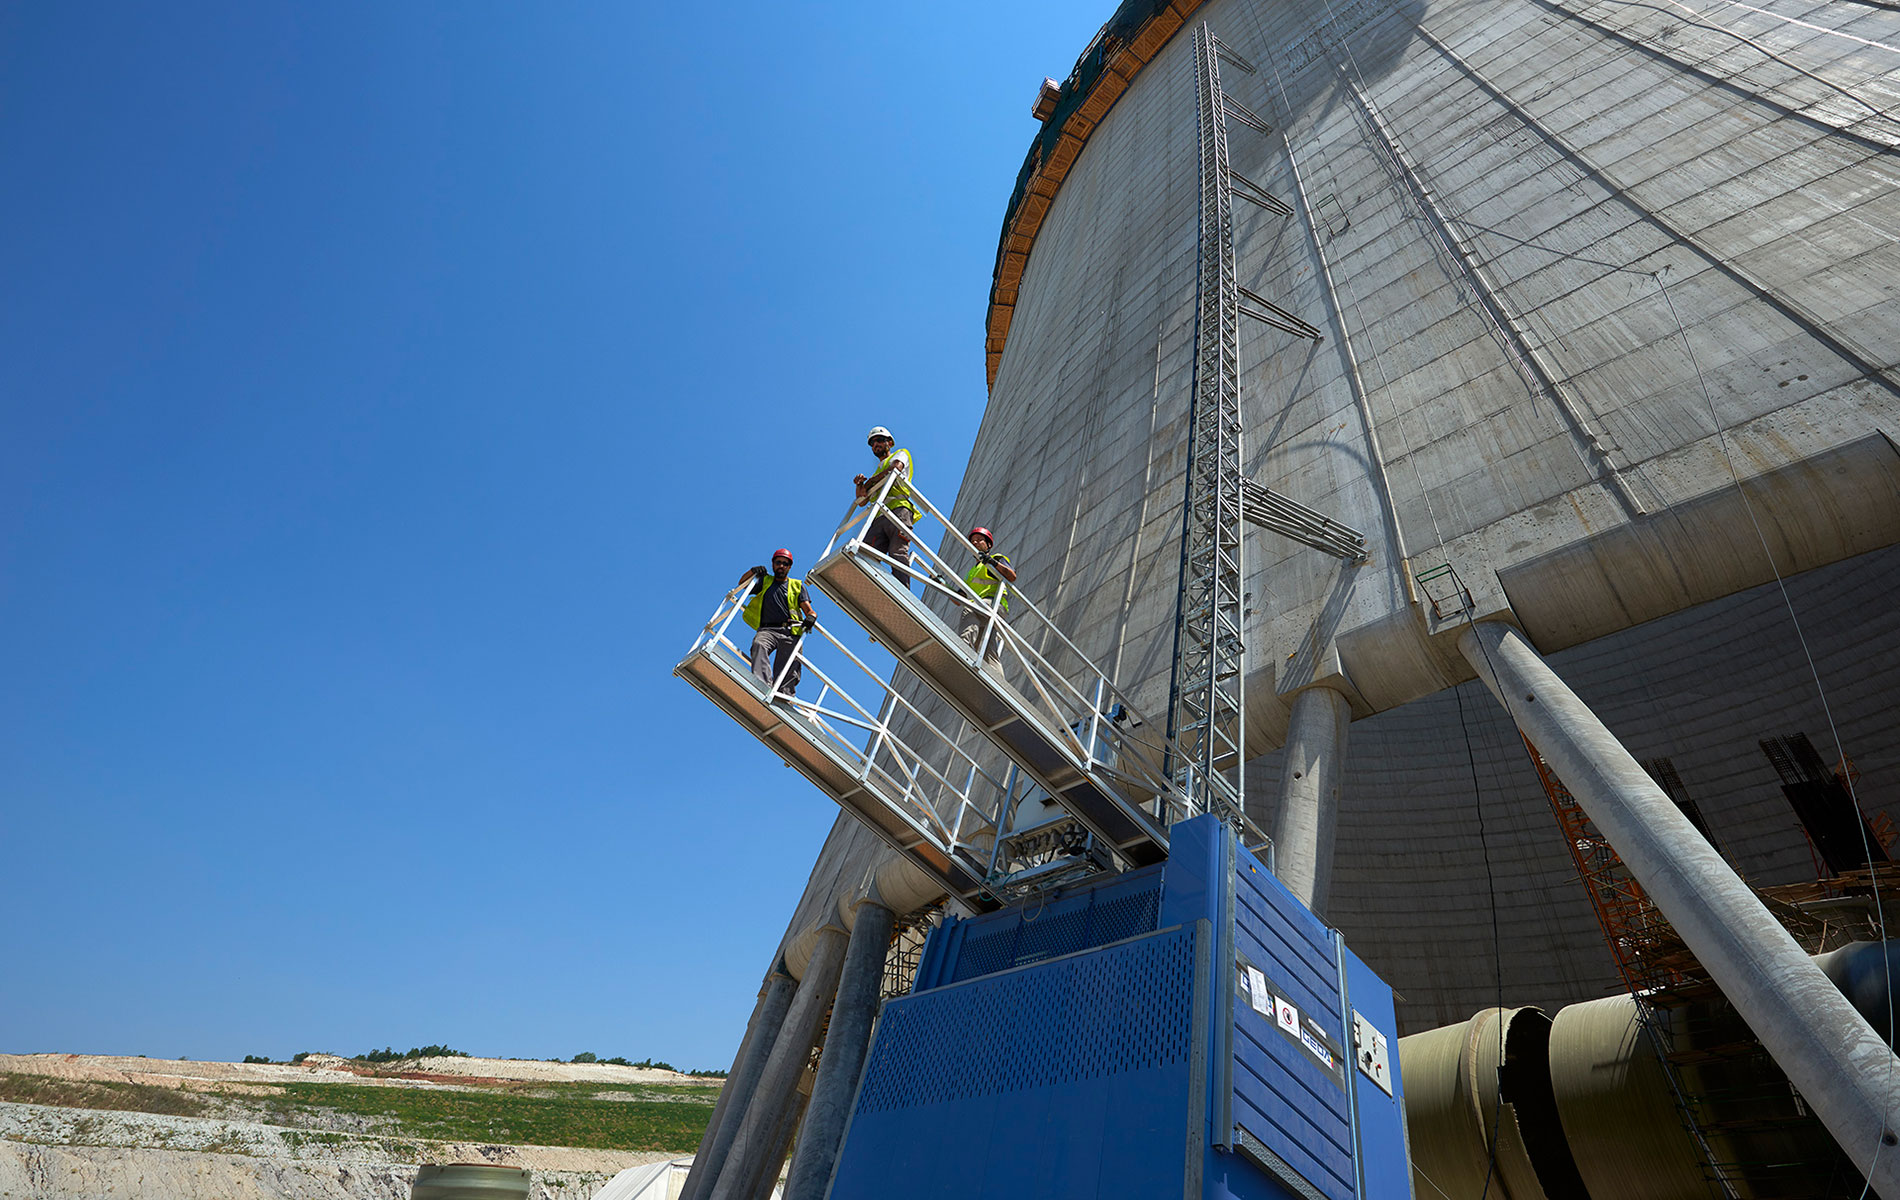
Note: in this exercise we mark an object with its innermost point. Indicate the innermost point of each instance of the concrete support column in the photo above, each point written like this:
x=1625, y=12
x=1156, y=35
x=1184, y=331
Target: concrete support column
x=778, y=1081
x=842, y=1062
x=1842, y=1068
x=765, y=1178
x=774, y=999
x=1309, y=794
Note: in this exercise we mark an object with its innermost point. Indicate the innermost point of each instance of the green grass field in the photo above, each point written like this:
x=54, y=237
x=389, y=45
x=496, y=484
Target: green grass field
x=564, y=1114
x=116, y=1097
x=666, y=1118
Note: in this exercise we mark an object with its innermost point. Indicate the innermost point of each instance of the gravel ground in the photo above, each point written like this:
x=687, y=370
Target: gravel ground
x=82, y=1154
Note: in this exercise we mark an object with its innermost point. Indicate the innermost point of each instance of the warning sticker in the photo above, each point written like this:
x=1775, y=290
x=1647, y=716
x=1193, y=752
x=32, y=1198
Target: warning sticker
x=1257, y=994
x=1300, y=1029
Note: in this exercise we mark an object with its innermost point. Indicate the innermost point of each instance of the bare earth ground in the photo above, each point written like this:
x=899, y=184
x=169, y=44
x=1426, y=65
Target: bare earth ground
x=159, y=1071
x=61, y=1153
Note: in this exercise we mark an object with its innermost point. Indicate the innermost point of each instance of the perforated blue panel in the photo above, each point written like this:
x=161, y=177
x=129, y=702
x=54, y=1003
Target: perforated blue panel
x=1063, y=1079
x=1111, y=911
x=1124, y=1009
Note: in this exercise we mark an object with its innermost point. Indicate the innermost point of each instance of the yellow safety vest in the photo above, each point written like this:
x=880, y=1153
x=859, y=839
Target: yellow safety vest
x=986, y=583
x=794, y=588
x=900, y=491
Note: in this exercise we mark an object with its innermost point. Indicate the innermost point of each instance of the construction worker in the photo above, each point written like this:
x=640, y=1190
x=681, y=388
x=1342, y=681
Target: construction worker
x=987, y=579
x=890, y=532
x=778, y=601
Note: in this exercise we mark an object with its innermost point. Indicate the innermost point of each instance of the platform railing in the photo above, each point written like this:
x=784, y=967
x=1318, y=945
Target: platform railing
x=921, y=772
x=1098, y=722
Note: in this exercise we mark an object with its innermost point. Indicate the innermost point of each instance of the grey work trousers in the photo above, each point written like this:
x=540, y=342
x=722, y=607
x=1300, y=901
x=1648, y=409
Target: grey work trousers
x=974, y=622
x=890, y=534
x=772, y=648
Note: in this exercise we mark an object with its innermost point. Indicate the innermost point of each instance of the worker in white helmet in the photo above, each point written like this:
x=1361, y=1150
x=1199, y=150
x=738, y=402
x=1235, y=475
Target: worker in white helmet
x=890, y=531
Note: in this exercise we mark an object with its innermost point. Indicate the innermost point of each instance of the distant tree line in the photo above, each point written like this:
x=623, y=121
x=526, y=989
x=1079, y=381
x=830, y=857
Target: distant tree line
x=391, y=1054
x=653, y=1064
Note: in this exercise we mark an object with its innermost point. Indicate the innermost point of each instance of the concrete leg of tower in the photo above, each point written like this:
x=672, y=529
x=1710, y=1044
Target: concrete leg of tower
x=778, y=1082
x=1841, y=1067
x=1309, y=794
x=736, y=1096
x=842, y=1062
x=765, y=1177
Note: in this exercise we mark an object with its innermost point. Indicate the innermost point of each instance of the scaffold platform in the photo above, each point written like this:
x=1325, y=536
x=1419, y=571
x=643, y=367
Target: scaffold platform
x=851, y=751
x=1036, y=731
x=1024, y=716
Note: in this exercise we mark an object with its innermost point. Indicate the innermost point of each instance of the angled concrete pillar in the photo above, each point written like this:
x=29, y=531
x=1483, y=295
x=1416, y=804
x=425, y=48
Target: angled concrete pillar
x=842, y=1062
x=778, y=1081
x=767, y=1015
x=1309, y=794
x=1842, y=1068
x=765, y=1178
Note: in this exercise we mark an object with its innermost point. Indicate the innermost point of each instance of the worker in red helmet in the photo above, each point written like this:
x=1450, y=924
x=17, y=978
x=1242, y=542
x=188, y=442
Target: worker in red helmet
x=777, y=604
x=890, y=530
x=989, y=579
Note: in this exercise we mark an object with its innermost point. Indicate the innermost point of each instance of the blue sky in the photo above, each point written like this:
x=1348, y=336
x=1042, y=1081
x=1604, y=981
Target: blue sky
x=388, y=392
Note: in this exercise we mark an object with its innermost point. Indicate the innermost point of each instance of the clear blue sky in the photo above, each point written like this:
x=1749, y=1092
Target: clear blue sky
x=388, y=391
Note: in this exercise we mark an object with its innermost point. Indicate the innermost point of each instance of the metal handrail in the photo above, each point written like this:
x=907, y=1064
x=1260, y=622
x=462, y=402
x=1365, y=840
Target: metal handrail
x=1079, y=703
x=960, y=818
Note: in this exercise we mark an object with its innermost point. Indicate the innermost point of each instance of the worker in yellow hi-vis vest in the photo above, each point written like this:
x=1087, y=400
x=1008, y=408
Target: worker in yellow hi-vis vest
x=777, y=603
x=890, y=531
x=989, y=579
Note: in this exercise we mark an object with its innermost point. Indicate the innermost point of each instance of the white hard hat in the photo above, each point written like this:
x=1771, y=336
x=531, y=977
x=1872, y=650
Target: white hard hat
x=878, y=431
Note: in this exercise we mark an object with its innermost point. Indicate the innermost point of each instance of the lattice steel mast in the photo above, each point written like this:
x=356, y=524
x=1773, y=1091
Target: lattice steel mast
x=1207, y=693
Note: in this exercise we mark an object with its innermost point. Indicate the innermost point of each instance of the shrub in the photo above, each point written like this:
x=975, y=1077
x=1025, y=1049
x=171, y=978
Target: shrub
x=584, y=1056
x=391, y=1054
x=255, y=1058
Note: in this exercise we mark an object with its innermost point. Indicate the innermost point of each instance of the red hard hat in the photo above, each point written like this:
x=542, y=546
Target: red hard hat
x=987, y=535
x=783, y=553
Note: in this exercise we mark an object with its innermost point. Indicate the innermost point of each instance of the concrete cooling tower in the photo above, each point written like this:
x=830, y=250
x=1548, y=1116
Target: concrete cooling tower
x=1575, y=325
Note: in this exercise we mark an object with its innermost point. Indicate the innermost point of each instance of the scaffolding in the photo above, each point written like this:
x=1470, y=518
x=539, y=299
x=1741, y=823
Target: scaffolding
x=1033, y=770
x=1208, y=690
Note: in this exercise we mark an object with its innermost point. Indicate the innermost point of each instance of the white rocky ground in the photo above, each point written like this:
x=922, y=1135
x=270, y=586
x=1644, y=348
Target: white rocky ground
x=322, y=1067
x=50, y=1153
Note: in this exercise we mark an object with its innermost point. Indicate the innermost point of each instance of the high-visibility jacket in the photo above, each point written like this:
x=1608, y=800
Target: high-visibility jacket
x=986, y=583
x=794, y=590
x=899, y=496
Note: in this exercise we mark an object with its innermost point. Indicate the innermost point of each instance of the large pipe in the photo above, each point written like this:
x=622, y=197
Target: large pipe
x=1845, y=1072
x=842, y=1062
x=778, y=1081
x=1465, y=1135
x=1625, y=1133
x=734, y=1098
x=1309, y=794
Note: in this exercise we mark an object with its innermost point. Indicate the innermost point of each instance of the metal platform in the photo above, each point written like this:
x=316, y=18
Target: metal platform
x=1068, y=727
x=916, y=788
x=1024, y=729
